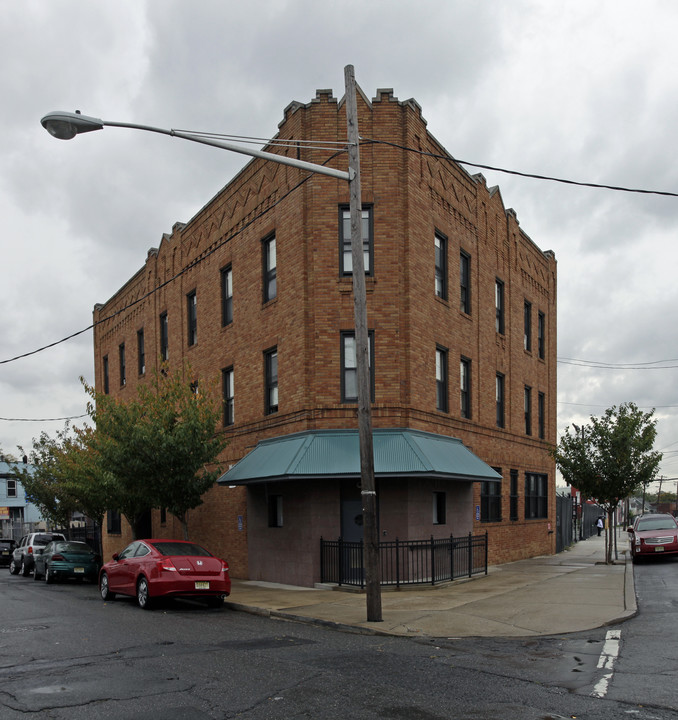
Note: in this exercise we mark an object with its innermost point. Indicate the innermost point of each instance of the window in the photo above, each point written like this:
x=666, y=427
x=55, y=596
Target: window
x=123, y=370
x=536, y=496
x=275, y=511
x=106, y=376
x=465, y=282
x=11, y=488
x=228, y=395
x=345, y=240
x=441, y=266
x=541, y=335
x=490, y=500
x=439, y=508
x=465, y=388
x=271, y=381
x=441, y=379
x=528, y=410
x=270, y=268
x=163, y=516
x=500, y=399
x=499, y=306
x=192, y=318
x=164, y=338
x=514, y=495
x=226, y=296
x=527, y=326
x=113, y=523
x=541, y=414
x=141, y=352
x=349, y=366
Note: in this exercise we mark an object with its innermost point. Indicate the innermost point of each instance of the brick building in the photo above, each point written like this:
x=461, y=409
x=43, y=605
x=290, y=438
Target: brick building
x=255, y=292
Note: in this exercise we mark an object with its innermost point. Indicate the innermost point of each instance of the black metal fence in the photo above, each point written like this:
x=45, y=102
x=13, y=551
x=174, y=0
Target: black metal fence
x=406, y=562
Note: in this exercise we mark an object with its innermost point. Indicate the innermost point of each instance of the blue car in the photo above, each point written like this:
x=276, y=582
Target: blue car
x=66, y=559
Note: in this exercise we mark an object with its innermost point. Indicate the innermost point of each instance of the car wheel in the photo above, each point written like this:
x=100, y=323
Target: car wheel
x=215, y=602
x=49, y=577
x=104, y=590
x=143, y=598
x=25, y=571
x=13, y=567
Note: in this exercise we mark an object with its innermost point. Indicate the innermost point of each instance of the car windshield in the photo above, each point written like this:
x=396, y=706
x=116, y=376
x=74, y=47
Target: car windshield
x=180, y=548
x=657, y=523
x=72, y=547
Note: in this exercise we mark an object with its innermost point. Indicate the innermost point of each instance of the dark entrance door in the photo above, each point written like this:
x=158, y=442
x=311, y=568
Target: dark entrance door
x=351, y=533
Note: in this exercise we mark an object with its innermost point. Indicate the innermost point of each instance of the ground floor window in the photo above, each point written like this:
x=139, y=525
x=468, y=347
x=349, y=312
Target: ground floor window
x=536, y=495
x=113, y=524
x=275, y=511
x=490, y=501
x=439, y=506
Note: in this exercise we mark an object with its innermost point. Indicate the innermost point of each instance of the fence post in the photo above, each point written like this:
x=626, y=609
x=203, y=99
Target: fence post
x=340, y=546
x=486, y=551
x=470, y=554
x=451, y=556
x=397, y=545
x=433, y=562
x=322, y=560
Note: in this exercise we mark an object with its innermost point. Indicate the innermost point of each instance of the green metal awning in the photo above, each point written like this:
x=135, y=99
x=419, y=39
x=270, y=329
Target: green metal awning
x=336, y=454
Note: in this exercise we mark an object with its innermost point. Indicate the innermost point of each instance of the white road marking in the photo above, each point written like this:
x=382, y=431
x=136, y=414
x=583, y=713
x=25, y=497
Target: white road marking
x=608, y=656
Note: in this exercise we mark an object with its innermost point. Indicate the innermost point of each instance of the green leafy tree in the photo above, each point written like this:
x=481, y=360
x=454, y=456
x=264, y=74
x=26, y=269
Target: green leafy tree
x=157, y=447
x=609, y=458
x=46, y=483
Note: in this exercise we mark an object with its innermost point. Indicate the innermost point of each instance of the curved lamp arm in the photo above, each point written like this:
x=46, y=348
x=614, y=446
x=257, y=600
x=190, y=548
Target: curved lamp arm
x=66, y=125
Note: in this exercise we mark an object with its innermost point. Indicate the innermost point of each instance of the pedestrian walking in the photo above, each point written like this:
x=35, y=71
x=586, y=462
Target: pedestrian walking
x=600, y=524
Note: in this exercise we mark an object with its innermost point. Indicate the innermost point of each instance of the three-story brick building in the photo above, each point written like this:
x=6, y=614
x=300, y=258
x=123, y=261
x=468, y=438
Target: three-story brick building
x=255, y=292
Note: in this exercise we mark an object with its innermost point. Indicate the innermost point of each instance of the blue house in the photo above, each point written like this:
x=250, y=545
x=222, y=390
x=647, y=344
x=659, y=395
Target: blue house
x=17, y=514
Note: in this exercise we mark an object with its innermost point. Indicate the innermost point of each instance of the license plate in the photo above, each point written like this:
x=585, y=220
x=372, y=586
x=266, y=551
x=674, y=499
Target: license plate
x=202, y=586
x=4, y=552
x=78, y=570
x=659, y=549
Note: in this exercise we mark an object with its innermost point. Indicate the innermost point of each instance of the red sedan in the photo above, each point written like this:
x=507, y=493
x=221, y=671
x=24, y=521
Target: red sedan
x=653, y=534
x=152, y=569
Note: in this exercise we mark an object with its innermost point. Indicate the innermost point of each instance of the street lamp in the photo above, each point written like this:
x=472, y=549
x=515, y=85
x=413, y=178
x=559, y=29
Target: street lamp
x=66, y=125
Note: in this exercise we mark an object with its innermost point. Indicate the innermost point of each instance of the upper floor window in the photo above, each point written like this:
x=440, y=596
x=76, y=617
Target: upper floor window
x=527, y=326
x=541, y=414
x=349, y=366
x=141, y=352
x=106, y=375
x=541, y=335
x=271, y=381
x=345, y=240
x=123, y=369
x=192, y=317
x=513, y=498
x=228, y=389
x=528, y=410
x=441, y=379
x=465, y=387
x=164, y=338
x=499, y=393
x=226, y=296
x=465, y=282
x=441, y=266
x=499, y=305
x=11, y=488
x=270, y=278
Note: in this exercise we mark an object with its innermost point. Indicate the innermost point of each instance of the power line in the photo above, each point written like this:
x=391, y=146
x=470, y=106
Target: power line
x=70, y=417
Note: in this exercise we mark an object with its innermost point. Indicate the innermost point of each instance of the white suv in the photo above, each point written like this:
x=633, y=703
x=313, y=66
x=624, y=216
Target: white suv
x=23, y=556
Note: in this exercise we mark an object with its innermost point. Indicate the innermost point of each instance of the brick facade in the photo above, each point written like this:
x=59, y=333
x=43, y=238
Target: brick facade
x=413, y=190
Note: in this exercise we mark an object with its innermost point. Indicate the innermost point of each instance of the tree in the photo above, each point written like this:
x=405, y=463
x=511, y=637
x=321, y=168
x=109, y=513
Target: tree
x=610, y=458
x=156, y=447
x=45, y=482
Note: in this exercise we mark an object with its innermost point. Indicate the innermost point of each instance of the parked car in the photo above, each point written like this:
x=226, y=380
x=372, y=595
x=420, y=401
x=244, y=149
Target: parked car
x=158, y=568
x=24, y=553
x=653, y=535
x=63, y=560
x=7, y=546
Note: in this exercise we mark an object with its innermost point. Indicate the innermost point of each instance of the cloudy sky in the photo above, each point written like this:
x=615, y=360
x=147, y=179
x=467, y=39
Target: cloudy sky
x=583, y=90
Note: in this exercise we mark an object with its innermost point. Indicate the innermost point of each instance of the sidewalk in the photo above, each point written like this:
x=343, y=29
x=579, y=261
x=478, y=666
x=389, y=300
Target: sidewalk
x=546, y=595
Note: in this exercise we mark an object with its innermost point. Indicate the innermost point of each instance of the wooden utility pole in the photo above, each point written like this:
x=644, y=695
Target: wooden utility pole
x=368, y=490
